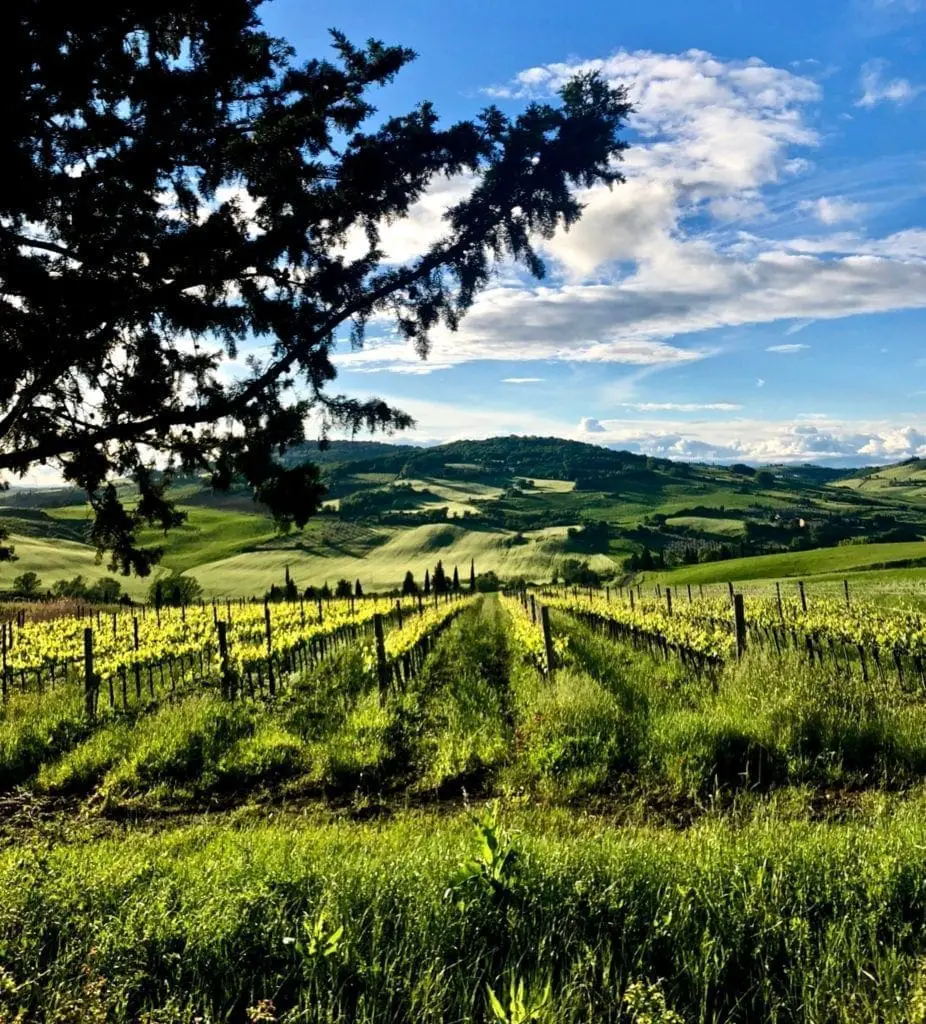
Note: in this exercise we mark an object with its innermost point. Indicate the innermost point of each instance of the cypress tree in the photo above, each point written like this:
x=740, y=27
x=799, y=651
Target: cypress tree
x=427, y=583
x=439, y=579
x=409, y=586
x=456, y=580
x=472, y=575
x=358, y=590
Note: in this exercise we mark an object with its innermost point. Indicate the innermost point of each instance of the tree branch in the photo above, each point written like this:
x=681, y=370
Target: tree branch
x=37, y=243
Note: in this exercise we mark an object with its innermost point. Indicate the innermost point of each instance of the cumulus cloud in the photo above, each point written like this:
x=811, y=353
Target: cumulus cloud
x=521, y=380
x=822, y=441
x=810, y=437
x=877, y=89
x=832, y=211
x=787, y=348
x=655, y=260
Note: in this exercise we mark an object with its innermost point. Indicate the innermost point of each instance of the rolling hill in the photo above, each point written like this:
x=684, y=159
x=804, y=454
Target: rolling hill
x=518, y=506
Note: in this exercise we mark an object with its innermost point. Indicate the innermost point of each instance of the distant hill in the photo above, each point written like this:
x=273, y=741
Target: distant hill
x=345, y=451
x=517, y=505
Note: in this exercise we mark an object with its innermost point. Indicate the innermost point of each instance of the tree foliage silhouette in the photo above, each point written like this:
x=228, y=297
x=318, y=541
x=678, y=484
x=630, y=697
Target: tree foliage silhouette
x=180, y=186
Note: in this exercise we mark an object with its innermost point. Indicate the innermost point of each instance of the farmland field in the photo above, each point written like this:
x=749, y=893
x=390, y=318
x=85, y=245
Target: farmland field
x=388, y=807
x=649, y=828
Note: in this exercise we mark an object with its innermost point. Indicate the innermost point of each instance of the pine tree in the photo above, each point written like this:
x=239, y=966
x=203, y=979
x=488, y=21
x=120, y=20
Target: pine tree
x=456, y=580
x=146, y=143
x=472, y=575
x=427, y=583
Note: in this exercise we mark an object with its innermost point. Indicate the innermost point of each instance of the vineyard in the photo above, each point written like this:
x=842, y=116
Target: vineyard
x=250, y=645
x=581, y=805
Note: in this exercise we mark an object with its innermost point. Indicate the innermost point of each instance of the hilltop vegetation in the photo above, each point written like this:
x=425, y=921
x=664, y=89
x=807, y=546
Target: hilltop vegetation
x=519, y=507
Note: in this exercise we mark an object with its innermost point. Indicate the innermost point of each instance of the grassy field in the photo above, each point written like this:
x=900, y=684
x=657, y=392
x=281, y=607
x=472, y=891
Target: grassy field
x=706, y=524
x=55, y=560
x=820, y=561
x=230, y=544
x=625, y=841
x=414, y=548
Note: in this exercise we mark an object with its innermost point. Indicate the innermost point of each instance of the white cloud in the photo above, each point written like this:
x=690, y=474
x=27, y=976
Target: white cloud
x=798, y=326
x=907, y=245
x=811, y=437
x=760, y=383
x=787, y=348
x=424, y=224
x=641, y=270
x=522, y=380
x=832, y=211
x=876, y=89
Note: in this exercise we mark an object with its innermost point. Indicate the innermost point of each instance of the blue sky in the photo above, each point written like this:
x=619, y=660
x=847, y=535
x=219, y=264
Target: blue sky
x=757, y=289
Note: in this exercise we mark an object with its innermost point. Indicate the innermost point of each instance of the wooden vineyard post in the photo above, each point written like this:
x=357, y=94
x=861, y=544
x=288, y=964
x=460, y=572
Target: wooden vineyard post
x=533, y=610
x=420, y=604
x=781, y=611
x=607, y=594
x=137, y=666
x=382, y=669
x=631, y=598
x=223, y=656
x=739, y=624
x=689, y=593
x=547, y=639
x=398, y=613
x=89, y=681
x=730, y=589
x=668, y=600
x=271, y=681
x=845, y=584
x=321, y=616
x=700, y=590
x=3, y=681
x=803, y=595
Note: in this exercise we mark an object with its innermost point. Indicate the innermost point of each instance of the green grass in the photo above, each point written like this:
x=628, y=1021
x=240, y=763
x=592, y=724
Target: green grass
x=755, y=910
x=416, y=549
x=206, y=535
x=772, y=920
x=818, y=561
x=705, y=524
x=210, y=534
x=55, y=560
